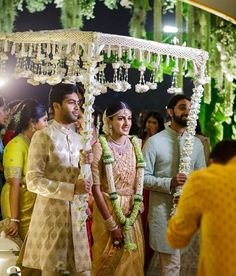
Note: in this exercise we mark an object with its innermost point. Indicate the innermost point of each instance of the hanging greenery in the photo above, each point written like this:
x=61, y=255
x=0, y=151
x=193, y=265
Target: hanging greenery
x=137, y=24
x=7, y=15
x=73, y=13
x=224, y=112
x=218, y=38
x=203, y=30
x=157, y=20
x=190, y=24
x=111, y=4
x=226, y=37
x=37, y=5
x=168, y=6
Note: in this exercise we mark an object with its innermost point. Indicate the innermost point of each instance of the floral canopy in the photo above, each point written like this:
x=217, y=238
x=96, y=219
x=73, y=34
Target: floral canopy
x=73, y=56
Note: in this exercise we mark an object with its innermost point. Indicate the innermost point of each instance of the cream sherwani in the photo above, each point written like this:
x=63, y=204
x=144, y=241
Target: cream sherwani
x=54, y=236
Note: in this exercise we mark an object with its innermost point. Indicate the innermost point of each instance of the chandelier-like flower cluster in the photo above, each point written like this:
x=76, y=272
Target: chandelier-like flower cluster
x=62, y=59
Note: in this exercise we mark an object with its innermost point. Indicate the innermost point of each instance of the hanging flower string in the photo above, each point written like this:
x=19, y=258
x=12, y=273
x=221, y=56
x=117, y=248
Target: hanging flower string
x=126, y=222
x=185, y=157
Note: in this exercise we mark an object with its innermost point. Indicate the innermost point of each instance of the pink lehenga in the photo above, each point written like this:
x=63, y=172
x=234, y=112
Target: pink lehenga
x=108, y=259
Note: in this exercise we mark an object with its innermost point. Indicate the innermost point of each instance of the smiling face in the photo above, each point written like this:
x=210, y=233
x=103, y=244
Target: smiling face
x=121, y=123
x=179, y=114
x=69, y=110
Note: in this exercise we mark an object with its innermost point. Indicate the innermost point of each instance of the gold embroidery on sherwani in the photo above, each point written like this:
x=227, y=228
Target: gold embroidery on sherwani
x=52, y=172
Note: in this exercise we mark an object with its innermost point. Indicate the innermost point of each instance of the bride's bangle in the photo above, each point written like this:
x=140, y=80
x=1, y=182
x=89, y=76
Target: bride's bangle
x=110, y=224
x=15, y=220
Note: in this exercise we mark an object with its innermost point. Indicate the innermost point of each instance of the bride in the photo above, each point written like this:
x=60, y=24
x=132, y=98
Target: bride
x=117, y=171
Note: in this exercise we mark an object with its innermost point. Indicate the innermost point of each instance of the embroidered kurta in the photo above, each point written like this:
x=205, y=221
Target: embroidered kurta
x=108, y=259
x=161, y=154
x=15, y=163
x=52, y=171
x=208, y=201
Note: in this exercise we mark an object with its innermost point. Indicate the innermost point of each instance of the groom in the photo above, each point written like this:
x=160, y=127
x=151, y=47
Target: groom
x=54, y=236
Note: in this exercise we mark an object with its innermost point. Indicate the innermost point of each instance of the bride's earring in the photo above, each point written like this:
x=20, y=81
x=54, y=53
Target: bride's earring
x=110, y=130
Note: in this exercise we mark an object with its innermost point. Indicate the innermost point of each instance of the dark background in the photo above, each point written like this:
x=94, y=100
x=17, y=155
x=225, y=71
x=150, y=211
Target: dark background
x=106, y=21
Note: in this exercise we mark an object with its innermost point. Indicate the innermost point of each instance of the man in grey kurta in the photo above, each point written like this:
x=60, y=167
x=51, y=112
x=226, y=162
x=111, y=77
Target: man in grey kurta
x=162, y=154
x=54, y=234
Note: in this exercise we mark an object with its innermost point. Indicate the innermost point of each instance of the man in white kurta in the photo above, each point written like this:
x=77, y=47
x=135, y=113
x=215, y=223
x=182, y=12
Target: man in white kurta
x=55, y=236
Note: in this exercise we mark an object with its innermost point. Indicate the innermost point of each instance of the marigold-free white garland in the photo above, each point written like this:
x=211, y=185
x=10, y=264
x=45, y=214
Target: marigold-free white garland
x=126, y=222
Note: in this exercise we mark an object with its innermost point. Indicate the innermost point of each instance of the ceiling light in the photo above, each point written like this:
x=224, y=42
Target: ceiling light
x=170, y=29
x=2, y=82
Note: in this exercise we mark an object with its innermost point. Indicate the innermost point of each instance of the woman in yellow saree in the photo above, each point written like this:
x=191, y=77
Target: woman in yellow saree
x=16, y=201
x=117, y=188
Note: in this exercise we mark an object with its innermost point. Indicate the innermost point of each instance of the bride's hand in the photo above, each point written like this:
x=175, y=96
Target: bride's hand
x=117, y=237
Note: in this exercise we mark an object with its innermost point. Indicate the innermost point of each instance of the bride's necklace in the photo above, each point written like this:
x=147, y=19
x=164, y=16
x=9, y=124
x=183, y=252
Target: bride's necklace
x=117, y=143
x=108, y=160
x=120, y=148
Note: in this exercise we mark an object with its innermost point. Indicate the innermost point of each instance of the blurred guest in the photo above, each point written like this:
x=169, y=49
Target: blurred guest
x=152, y=124
x=16, y=201
x=208, y=202
x=12, y=107
x=3, y=115
x=223, y=152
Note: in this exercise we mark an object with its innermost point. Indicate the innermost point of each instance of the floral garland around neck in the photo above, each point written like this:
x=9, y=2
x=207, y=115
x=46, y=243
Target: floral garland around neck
x=126, y=222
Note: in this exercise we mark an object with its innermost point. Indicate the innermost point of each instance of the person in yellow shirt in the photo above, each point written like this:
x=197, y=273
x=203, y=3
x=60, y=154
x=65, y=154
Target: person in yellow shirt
x=208, y=202
x=16, y=200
